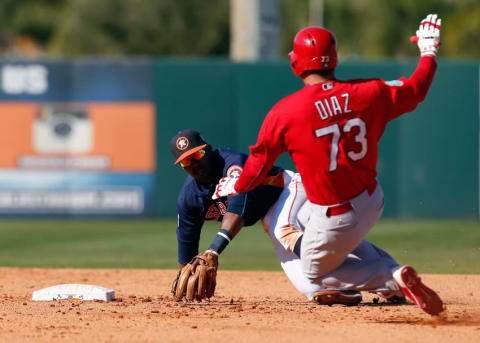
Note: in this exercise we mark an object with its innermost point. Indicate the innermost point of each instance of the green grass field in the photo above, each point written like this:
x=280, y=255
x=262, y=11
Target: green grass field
x=451, y=247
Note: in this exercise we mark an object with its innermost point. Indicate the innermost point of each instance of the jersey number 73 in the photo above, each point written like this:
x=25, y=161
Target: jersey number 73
x=334, y=130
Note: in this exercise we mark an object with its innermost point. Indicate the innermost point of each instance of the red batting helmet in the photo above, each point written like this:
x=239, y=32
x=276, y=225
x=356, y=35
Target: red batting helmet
x=314, y=48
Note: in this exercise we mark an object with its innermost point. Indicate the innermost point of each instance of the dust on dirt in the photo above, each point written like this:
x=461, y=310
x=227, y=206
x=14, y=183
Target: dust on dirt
x=248, y=307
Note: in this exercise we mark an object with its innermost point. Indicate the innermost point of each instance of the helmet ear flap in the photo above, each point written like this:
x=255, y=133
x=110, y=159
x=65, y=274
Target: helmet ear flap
x=293, y=61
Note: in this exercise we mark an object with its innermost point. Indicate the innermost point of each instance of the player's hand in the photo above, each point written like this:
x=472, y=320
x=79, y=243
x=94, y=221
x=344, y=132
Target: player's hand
x=198, y=279
x=225, y=188
x=428, y=35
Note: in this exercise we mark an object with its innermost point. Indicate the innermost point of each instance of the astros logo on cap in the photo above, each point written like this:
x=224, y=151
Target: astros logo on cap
x=182, y=143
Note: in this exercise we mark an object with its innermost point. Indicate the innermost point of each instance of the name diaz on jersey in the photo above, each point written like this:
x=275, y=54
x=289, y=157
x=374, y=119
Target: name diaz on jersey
x=331, y=106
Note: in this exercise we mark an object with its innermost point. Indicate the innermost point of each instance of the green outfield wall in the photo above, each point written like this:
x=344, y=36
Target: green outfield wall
x=429, y=159
x=90, y=137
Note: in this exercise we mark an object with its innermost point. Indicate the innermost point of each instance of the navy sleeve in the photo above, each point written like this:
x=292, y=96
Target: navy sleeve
x=253, y=205
x=234, y=162
x=237, y=203
x=190, y=223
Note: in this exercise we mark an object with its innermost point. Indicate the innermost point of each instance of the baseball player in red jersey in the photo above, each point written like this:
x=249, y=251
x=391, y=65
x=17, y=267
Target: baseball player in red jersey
x=331, y=129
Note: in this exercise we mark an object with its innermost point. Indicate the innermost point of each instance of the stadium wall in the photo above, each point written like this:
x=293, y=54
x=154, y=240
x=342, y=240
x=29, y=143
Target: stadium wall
x=428, y=161
x=124, y=112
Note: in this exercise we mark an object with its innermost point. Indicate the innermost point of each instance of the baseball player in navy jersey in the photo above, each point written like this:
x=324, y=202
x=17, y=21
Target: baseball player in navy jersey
x=331, y=129
x=275, y=202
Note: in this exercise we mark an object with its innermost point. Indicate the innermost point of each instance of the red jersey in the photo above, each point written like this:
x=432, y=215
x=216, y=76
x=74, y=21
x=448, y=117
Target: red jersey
x=331, y=130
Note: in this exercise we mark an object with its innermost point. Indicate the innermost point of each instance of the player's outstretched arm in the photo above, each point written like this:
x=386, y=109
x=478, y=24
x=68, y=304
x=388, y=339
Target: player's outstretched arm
x=428, y=35
x=197, y=280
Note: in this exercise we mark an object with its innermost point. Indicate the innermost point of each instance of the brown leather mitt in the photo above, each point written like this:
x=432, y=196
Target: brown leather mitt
x=197, y=280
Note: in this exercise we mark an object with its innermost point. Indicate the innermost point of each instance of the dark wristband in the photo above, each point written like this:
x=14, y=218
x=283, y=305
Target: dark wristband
x=221, y=241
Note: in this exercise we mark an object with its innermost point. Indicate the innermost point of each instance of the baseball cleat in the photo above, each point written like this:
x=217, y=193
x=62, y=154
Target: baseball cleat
x=342, y=297
x=412, y=286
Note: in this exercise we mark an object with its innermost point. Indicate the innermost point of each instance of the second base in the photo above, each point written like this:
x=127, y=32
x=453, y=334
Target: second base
x=74, y=291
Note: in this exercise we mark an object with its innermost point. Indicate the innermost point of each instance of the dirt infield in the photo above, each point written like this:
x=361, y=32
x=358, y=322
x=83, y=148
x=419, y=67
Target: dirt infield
x=248, y=307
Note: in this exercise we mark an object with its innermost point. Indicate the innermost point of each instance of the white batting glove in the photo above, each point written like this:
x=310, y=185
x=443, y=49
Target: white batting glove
x=225, y=188
x=428, y=35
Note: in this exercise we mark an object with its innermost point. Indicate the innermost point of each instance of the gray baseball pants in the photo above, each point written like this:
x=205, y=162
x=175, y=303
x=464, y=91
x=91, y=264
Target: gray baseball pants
x=333, y=252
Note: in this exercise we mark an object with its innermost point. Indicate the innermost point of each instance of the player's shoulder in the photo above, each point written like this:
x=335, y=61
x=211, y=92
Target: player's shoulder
x=230, y=153
x=234, y=162
x=285, y=106
x=292, y=98
x=232, y=156
x=376, y=83
x=370, y=87
x=360, y=82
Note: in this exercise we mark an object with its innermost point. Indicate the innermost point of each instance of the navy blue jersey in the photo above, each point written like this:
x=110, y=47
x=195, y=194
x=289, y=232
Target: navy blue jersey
x=195, y=204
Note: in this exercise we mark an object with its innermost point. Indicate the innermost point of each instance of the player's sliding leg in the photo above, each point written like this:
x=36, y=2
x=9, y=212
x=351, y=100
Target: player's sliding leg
x=329, y=239
x=367, y=267
x=278, y=225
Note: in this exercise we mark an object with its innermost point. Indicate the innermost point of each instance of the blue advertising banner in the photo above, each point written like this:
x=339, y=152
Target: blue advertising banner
x=78, y=138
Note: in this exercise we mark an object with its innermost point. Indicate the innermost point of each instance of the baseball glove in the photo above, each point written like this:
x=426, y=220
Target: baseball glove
x=197, y=279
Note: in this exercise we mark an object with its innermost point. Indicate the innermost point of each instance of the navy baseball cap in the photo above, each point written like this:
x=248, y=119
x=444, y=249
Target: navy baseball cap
x=185, y=143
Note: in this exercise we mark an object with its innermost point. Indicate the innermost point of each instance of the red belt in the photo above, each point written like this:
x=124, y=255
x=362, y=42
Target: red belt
x=339, y=209
x=346, y=207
